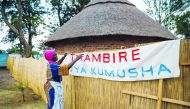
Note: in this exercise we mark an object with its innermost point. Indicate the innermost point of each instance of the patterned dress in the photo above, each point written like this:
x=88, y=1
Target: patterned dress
x=53, y=87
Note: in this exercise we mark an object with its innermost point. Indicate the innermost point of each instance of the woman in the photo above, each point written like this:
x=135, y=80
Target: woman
x=53, y=87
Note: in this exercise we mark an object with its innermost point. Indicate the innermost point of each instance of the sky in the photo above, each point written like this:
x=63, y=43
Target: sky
x=138, y=3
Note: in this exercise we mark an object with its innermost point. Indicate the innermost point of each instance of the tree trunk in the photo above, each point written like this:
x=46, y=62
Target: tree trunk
x=59, y=13
x=23, y=97
x=18, y=31
x=21, y=50
x=29, y=36
x=27, y=47
x=27, y=51
x=29, y=25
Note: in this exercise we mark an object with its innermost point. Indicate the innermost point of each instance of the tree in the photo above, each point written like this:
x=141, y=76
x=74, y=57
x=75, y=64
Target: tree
x=23, y=18
x=22, y=88
x=42, y=46
x=66, y=10
x=14, y=49
x=166, y=11
x=183, y=24
x=2, y=51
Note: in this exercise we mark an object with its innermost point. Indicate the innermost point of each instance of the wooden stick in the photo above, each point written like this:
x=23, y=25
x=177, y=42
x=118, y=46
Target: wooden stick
x=73, y=91
x=140, y=95
x=156, y=98
x=185, y=63
x=159, y=102
x=176, y=101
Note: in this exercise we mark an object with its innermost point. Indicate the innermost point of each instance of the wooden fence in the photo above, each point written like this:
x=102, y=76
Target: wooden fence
x=30, y=72
x=93, y=93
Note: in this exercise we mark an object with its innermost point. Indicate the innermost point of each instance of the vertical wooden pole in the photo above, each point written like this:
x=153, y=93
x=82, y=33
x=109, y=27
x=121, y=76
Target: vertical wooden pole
x=73, y=91
x=160, y=86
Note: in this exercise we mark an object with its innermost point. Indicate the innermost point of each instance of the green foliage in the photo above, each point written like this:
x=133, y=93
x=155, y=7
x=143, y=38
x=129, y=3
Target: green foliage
x=13, y=50
x=22, y=86
x=183, y=24
x=2, y=51
x=168, y=13
x=65, y=10
x=35, y=53
x=1, y=20
x=32, y=17
x=42, y=46
x=11, y=37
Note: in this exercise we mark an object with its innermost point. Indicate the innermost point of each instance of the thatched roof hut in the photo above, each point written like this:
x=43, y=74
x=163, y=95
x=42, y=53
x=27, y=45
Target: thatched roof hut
x=106, y=25
x=108, y=18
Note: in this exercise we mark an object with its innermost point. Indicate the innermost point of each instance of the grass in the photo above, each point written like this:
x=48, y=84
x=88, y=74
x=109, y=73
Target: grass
x=11, y=96
x=39, y=104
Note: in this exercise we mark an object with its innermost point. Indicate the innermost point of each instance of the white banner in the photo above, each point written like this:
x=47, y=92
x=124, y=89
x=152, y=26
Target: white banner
x=154, y=61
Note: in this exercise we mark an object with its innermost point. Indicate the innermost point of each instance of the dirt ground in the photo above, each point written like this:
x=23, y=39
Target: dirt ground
x=11, y=96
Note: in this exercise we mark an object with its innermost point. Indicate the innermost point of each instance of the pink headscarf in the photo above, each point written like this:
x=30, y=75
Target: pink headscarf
x=49, y=55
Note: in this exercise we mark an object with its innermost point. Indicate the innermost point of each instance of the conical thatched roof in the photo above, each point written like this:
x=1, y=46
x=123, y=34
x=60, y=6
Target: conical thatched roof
x=110, y=17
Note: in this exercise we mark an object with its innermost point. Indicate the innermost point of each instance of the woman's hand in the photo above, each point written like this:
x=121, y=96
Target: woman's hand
x=65, y=54
x=79, y=56
x=75, y=60
x=61, y=60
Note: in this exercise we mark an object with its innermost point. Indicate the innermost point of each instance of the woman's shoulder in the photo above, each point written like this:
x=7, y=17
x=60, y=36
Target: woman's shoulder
x=54, y=65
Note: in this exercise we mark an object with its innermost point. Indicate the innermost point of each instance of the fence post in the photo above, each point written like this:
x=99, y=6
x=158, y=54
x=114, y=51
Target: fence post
x=159, y=102
x=73, y=91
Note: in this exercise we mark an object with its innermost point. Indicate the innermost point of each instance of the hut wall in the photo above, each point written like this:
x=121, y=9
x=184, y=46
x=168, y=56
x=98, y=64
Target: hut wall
x=89, y=44
x=91, y=93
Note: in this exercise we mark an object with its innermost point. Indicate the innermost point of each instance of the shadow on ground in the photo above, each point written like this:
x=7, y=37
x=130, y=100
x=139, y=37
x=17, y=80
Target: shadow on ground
x=11, y=96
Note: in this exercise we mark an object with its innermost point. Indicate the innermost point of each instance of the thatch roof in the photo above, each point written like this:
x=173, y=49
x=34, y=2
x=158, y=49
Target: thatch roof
x=110, y=17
